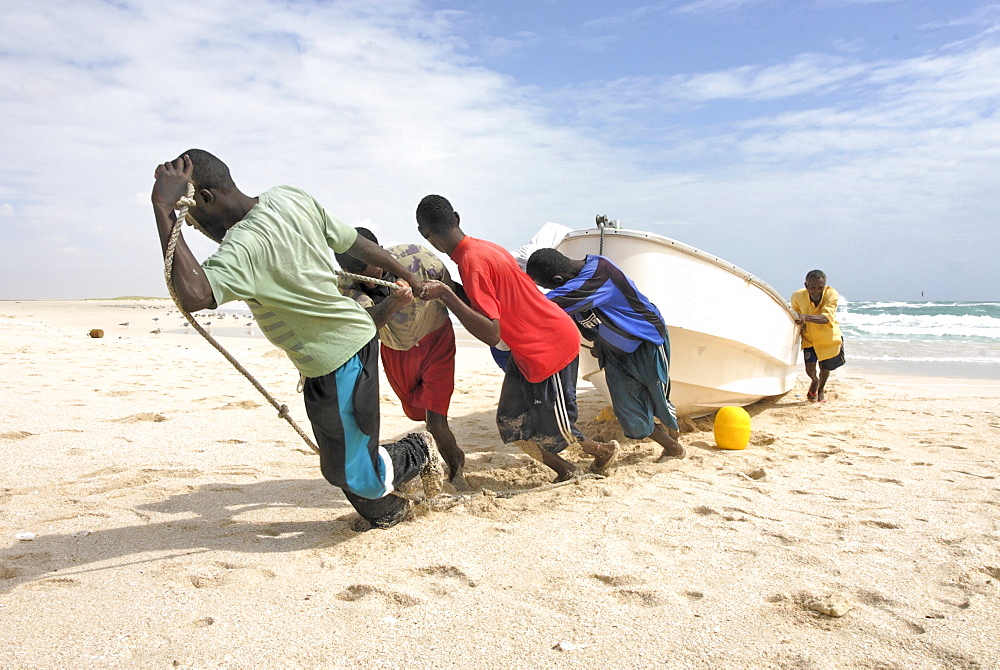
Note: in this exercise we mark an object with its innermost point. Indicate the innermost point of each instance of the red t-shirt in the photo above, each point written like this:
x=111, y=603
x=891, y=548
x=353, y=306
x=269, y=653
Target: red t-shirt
x=542, y=338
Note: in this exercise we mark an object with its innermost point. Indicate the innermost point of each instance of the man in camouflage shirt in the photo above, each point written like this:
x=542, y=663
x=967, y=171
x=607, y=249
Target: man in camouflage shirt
x=418, y=342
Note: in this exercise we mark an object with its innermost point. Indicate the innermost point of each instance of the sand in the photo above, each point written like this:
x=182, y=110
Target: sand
x=178, y=522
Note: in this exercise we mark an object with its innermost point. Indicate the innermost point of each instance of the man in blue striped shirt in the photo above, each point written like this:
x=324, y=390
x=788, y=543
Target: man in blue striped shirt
x=629, y=336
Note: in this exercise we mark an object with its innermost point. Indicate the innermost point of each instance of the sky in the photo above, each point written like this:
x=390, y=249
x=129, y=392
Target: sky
x=861, y=137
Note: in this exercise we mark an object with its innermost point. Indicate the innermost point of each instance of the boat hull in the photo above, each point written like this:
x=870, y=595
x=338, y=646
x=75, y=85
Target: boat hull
x=733, y=338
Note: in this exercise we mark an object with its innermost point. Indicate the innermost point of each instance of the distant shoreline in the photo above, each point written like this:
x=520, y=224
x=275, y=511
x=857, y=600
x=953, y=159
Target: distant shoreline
x=934, y=373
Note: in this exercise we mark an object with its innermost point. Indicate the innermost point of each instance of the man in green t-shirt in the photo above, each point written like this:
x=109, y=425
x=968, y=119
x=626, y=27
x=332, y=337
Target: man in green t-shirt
x=274, y=254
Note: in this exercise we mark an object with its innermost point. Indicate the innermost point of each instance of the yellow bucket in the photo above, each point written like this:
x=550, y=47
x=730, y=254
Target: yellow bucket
x=732, y=428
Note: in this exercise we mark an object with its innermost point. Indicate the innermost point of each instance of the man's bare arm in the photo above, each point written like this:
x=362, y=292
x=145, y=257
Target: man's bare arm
x=398, y=298
x=189, y=281
x=479, y=325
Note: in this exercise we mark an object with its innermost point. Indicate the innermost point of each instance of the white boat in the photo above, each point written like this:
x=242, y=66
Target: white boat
x=733, y=338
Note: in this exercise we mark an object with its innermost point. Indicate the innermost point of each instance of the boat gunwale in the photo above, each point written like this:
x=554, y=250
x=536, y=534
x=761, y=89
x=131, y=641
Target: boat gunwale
x=691, y=251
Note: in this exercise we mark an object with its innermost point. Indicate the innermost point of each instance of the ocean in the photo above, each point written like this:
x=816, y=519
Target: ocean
x=940, y=339
x=934, y=339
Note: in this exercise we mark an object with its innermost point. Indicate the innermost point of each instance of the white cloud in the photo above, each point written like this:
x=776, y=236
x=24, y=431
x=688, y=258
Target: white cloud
x=712, y=6
x=370, y=106
x=336, y=98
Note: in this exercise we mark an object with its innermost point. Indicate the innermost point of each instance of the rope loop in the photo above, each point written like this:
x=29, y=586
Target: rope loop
x=168, y=273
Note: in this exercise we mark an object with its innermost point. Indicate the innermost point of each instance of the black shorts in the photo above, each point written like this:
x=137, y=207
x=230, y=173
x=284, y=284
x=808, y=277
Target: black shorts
x=809, y=355
x=544, y=413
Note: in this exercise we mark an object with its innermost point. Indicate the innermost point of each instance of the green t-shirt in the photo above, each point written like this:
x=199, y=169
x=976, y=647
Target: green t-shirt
x=278, y=260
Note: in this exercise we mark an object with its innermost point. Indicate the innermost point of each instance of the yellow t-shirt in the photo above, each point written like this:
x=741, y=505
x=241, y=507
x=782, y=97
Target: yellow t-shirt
x=825, y=338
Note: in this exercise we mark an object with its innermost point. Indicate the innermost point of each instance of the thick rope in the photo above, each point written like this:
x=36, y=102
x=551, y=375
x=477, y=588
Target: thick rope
x=168, y=273
x=366, y=279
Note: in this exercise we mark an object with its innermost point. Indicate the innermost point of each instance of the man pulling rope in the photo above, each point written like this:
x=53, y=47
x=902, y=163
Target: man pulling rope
x=274, y=255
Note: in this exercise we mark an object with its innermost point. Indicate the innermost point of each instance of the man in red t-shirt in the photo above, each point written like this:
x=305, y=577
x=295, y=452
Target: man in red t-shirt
x=538, y=399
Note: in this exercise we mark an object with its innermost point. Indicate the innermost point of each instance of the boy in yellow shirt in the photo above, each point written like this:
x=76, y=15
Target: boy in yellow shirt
x=815, y=307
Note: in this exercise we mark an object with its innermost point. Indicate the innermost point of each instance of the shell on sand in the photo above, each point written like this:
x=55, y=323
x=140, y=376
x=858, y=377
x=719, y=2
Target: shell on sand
x=96, y=333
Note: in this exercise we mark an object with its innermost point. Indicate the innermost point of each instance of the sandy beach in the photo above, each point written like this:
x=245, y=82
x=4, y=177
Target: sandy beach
x=155, y=513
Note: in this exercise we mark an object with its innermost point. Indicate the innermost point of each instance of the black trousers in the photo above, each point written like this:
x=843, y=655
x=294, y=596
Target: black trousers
x=343, y=408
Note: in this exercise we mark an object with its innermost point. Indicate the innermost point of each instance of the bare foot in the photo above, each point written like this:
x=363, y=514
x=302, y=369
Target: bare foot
x=455, y=466
x=603, y=453
x=564, y=469
x=568, y=475
x=458, y=480
x=667, y=438
x=811, y=393
x=671, y=452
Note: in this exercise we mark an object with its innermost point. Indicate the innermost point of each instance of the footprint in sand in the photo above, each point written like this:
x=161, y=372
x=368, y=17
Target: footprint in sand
x=449, y=572
x=54, y=583
x=627, y=591
x=111, y=470
x=16, y=435
x=992, y=570
x=888, y=525
x=640, y=597
x=617, y=580
x=142, y=416
x=356, y=592
x=240, y=404
x=204, y=581
x=215, y=574
x=973, y=474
